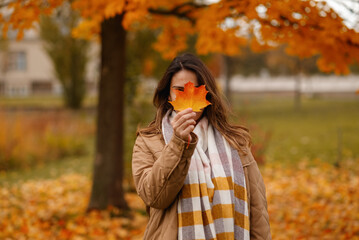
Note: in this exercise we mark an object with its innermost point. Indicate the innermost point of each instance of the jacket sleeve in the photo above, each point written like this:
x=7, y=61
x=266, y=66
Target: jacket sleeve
x=158, y=182
x=259, y=219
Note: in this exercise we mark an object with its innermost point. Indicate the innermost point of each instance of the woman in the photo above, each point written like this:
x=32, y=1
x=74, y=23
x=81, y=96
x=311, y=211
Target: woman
x=195, y=171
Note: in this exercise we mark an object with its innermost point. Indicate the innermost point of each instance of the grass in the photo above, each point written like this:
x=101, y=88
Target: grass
x=324, y=128
x=51, y=170
x=41, y=101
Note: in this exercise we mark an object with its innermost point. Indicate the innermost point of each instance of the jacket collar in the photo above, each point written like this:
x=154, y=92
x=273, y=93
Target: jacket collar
x=247, y=159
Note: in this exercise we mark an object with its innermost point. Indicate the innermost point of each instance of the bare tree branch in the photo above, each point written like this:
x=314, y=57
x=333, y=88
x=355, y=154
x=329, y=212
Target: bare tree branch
x=4, y=3
x=178, y=10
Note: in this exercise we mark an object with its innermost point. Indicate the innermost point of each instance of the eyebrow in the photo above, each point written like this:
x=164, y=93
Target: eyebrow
x=180, y=88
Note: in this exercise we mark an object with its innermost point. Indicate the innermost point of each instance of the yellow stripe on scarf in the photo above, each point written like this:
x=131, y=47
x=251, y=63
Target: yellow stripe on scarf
x=220, y=183
x=206, y=217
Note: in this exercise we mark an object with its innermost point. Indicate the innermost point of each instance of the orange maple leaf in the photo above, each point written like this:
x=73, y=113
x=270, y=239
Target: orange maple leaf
x=191, y=97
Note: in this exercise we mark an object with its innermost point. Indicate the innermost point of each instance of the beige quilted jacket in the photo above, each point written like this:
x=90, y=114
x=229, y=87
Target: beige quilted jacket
x=159, y=172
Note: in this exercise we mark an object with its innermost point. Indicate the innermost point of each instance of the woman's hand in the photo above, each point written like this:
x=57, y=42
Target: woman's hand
x=183, y=124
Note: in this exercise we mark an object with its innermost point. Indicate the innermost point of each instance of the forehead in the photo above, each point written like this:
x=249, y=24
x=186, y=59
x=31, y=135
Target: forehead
x=182, y=77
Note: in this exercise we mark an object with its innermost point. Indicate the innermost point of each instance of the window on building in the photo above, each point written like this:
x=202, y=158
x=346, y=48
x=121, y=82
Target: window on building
x=41, y=87
x=17, y=61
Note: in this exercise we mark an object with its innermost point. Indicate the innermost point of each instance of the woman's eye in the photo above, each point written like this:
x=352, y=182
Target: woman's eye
x=180, y=89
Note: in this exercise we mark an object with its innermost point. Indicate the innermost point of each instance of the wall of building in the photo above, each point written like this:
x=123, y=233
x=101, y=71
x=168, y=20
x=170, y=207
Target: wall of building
x=37, y=77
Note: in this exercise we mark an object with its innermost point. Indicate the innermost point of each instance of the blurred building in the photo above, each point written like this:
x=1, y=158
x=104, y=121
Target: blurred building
x=26, y=69
x=311, y=85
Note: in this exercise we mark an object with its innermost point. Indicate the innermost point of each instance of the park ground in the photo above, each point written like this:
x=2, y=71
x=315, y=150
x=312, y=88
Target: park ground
x=309, y=161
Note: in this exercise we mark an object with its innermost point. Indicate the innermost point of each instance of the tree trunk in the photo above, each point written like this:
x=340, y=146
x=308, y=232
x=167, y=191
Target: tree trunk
x=108, y=166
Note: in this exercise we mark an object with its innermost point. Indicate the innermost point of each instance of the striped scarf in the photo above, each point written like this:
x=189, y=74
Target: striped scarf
x=213, y=201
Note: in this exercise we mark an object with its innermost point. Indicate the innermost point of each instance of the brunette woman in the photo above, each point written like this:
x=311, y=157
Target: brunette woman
x=194, y=170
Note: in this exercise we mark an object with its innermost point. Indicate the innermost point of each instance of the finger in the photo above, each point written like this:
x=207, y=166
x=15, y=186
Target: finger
x=183, y=122
x=179, y=130
x=183, y=118
x=181, y=113
x=187, y=131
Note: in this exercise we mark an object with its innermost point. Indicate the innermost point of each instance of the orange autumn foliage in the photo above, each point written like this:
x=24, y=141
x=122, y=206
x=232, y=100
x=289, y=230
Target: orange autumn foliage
x=308, y=201
x=307, y=27
x=191, y=97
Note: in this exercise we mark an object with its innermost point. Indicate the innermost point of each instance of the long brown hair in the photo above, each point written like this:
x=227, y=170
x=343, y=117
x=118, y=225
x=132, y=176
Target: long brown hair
x=217, y=113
